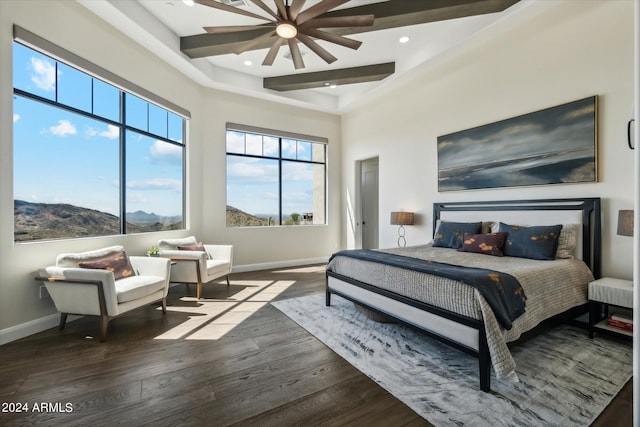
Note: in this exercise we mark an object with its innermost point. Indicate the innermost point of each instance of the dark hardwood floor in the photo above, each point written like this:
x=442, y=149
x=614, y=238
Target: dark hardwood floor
x=228, y=359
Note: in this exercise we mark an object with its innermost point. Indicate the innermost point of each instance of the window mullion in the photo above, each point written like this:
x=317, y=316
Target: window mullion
x=280, y=181
x=123, y=160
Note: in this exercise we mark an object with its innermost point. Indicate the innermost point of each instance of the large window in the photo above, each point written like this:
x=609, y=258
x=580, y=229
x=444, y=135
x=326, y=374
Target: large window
x=90, y=159
x=274, y=178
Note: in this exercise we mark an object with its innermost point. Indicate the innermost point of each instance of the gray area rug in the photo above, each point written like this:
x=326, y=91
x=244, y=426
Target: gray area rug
x=566, y=379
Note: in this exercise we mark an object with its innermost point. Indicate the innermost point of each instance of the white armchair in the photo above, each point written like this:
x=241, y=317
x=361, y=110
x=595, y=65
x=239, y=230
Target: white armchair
x=87, y=283
x=195, y=262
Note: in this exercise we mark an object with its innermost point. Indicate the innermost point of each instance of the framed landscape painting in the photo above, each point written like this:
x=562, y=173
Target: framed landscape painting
x=552, y=146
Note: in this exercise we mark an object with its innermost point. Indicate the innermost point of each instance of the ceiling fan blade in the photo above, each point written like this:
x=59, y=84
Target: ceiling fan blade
x=273, y=52
x=333, y=38
x=295, y=8
x=234, y=28
x=264, y=7
x=227, y=8
x=295, y=54
x=282, y=9
x=315, y=47
x=318, y=9
x=251, y=43
x=340, y=21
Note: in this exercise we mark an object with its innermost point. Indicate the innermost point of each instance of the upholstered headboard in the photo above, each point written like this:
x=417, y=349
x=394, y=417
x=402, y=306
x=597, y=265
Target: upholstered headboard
x=585, y=212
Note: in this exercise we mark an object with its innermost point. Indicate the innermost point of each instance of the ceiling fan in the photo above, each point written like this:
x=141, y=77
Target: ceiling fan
x=292, y=24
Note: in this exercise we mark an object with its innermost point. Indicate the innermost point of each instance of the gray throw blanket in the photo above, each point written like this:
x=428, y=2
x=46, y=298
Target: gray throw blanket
x=502, y=291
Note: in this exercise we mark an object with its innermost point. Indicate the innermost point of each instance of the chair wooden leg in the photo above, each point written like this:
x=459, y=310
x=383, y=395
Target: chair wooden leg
x=227, y=280
x=63, y=320
x=104, y=324
x=198, y=290
x=164, y=305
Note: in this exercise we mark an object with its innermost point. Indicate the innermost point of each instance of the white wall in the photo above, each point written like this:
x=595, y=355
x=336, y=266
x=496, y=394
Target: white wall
x=78, y=30
x=546, y=54
x=269, y=245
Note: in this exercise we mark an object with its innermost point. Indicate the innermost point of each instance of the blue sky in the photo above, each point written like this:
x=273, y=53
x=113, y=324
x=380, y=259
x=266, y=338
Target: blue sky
x=64, y=157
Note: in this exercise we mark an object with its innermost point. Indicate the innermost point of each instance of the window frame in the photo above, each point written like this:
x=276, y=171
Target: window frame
x=125, y=89
x=280, y=159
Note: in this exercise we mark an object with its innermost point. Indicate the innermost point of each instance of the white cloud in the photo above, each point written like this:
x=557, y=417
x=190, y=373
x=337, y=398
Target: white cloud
x=155, y=184
x=165, y=151
x=297, y=172
x=252, y=168
x=136, y=198
x=44, y=74
x=64, y=128
x=112, y=132
x=16, y=117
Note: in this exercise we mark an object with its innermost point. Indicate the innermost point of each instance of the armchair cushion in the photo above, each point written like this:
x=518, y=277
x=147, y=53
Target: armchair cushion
x=117, y=262
x=136, y=287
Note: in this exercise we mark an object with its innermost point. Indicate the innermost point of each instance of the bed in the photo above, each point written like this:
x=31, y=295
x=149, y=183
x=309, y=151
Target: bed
x=444, y=292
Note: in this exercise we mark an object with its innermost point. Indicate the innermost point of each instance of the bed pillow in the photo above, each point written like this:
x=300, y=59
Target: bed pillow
x=488, y=244
x=451, y=234
x=567, y=241
x=535, y=242
x=118, y=263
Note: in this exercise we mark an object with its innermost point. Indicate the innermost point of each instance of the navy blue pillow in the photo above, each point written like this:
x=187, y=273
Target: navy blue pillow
x=451, y=234
x=535, y=242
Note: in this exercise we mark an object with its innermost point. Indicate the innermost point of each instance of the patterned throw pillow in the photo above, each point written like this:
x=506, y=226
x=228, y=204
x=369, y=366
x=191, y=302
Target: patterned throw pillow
x=451, y=234
x=196, y=247
x=535, y=242
x=488, y=244
x=118, y=263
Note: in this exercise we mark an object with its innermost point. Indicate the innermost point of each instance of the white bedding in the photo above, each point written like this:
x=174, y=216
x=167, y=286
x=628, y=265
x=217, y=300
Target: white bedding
x=551, y=287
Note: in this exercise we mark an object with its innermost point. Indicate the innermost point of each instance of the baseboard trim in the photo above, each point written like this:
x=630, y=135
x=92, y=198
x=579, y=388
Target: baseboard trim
x=32, y=327
x=42, y=324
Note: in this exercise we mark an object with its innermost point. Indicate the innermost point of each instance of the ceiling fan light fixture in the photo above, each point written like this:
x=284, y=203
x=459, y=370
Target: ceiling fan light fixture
x=286, y=30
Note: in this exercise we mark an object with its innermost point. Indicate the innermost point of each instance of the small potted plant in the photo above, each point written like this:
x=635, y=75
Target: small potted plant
x=154, y=251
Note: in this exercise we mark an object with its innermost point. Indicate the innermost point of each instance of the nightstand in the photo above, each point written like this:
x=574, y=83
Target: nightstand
x=608, y=291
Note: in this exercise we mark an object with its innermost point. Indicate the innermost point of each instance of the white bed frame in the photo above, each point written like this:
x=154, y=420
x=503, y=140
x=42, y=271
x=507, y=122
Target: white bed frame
x=465, y=333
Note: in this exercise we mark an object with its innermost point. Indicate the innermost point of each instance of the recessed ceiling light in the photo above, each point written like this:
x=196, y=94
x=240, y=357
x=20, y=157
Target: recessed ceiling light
x=248, y=63
x=404, y=39
x=333, y=86
x=327, y=84
x=188, y=2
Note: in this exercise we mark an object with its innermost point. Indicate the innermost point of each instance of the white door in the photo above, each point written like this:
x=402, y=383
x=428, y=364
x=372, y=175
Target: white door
x=369, y=203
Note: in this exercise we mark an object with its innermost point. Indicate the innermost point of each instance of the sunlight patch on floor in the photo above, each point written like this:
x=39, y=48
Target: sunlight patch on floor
x=211, y=319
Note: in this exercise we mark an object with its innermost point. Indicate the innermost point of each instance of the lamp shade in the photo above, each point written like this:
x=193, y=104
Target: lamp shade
x=401, y=218
x=625, y=223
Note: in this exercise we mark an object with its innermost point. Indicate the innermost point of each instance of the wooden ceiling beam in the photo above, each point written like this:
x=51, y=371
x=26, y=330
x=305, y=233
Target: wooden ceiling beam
x=344, y=76
x=389, y=14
